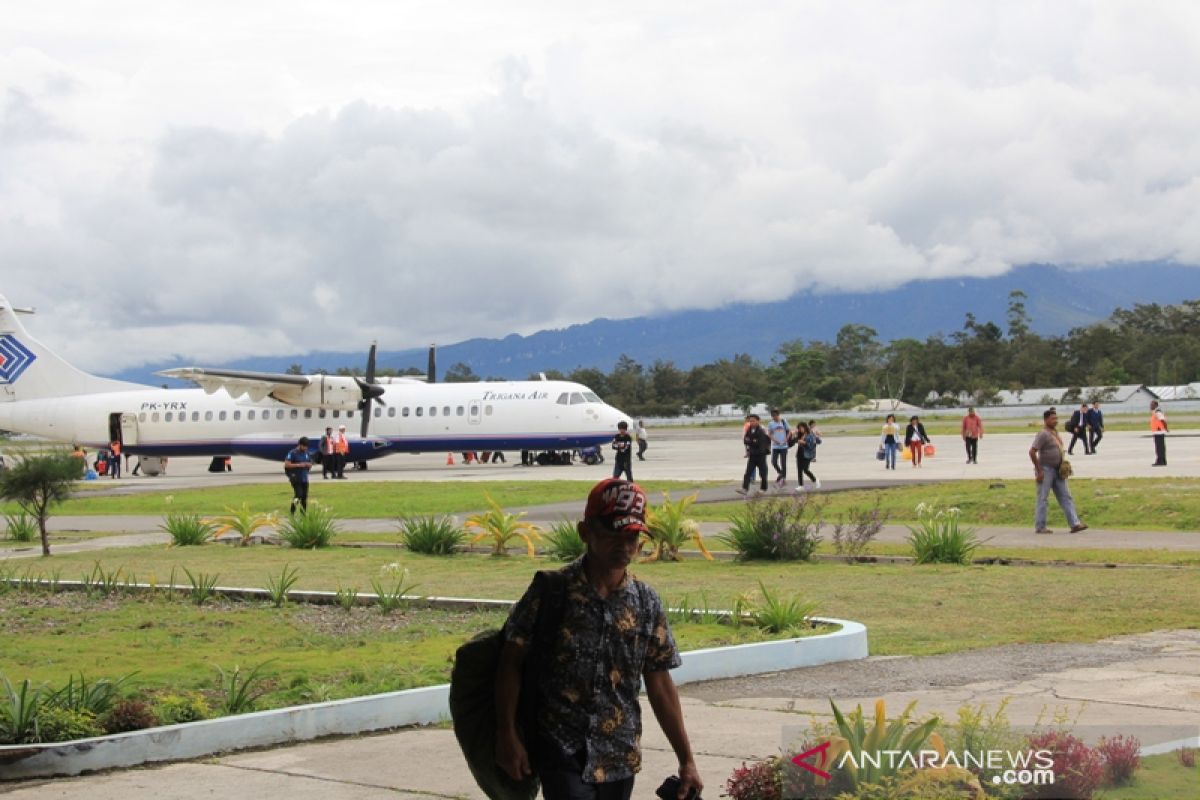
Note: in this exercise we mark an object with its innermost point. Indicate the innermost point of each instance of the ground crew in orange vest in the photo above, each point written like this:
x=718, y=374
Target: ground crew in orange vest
x=341, y=446
x=114, y=459
x=1158, y=427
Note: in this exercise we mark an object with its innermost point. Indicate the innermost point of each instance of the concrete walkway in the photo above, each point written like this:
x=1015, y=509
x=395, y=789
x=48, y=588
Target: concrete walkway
x=1146, y=685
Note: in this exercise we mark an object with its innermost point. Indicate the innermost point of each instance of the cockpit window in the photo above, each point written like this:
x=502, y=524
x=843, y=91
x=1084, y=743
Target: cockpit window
x=576, y=398
x=592, y=397
x=563, y=399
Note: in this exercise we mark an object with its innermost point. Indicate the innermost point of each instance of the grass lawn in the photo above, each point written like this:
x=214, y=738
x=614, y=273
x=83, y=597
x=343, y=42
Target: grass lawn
x=350, y=499
x=907, y=609
x=1158, y=778
x=1128, y=503
x=316, y=652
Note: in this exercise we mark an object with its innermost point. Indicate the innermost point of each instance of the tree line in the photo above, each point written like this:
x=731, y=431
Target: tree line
x=1148, y=343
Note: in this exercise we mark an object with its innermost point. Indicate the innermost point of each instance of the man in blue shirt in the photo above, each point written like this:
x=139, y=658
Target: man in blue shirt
x=778, y=430
x=296, y=467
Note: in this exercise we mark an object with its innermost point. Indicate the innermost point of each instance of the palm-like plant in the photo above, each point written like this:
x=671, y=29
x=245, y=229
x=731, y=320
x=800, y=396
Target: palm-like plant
x=501, y=527
x=670, y=529
x=242, y=521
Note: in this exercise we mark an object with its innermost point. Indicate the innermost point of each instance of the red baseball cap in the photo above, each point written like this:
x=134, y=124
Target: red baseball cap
x=619, y=504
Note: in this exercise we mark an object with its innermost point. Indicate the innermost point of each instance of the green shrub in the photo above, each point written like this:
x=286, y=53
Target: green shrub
x=187, y=530
x=389, y=597
x=670, y=529
x=311, y=529
x=21, y=527
x=501, y=527
x=94, y=698
x=346, y=598
x=58, y=724
x=203, y=585
x=434, y=536
x=129, y=715
x=776, y=613
x=776, y=529
x=278, y=588
x=19, y=707
x=938, y=538
x=242, y=521
x=172, y=709
x=563, y=542
x=241, y=691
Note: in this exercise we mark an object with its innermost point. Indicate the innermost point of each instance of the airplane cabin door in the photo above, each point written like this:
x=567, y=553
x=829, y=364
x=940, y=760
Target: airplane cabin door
x=129, y=430
x=475, y=410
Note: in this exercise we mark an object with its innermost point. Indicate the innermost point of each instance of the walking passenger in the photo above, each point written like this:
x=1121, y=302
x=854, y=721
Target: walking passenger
x=758, y=446
x=1051, y=471
x=780, y=434
x=806, y=454
x=296, y=467
x=606, y=633
x=623, y=444
x=1077, y=427
x=915, y=439
x=1095, y=424
x=972, y=432
x=890, y=441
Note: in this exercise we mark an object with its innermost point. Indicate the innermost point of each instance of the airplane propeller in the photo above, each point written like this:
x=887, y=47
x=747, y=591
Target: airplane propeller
x=431, y=373
x=371, y=391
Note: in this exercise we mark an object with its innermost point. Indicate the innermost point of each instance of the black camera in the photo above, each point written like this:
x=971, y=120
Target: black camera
x=670, y=790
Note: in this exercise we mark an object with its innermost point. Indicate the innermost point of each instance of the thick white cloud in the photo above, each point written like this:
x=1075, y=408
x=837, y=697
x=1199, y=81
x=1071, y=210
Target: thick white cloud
x=212, y=180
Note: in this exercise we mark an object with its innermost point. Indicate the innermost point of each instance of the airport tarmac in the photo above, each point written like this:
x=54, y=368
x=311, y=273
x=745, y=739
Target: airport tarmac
x=716, y=455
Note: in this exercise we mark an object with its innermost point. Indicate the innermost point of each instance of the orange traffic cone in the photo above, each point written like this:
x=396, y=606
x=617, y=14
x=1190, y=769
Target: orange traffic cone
x=449, y=459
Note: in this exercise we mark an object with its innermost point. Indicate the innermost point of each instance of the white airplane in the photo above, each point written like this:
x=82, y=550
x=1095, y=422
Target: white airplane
x=263, y=414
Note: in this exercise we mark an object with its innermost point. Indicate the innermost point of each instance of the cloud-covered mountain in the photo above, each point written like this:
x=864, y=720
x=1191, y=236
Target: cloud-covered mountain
x=1058, y=300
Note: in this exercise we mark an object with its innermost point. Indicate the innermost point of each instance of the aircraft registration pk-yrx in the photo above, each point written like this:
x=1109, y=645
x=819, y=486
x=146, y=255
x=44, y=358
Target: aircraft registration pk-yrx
x=264, y=414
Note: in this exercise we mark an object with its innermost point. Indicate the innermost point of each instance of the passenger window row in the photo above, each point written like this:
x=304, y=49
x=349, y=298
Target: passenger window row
x=265, y=414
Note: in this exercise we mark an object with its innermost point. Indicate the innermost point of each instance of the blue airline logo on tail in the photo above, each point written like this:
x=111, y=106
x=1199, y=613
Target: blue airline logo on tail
x=15, y=358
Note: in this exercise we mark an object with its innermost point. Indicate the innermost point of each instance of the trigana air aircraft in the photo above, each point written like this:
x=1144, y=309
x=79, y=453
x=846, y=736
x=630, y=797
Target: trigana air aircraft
x=263, y=414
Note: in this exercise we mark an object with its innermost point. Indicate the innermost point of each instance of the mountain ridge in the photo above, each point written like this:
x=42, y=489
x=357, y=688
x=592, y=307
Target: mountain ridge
x=1058, y=299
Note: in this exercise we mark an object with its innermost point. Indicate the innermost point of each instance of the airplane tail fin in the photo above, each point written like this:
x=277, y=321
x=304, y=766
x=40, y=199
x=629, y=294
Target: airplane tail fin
x=29, y=370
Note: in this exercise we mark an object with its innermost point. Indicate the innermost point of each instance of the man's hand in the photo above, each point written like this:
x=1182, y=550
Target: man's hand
x=1037, y=474
x=689, y=779
x=511, y=755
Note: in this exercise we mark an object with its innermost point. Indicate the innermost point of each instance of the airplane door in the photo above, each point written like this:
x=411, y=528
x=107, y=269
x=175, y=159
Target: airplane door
x=475, y=412
x=129, y=431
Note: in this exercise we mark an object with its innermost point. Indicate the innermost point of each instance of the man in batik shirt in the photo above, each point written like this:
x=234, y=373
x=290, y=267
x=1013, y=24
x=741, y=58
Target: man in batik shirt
x=613, y=633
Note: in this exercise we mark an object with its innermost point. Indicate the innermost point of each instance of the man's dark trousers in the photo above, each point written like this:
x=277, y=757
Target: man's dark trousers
x=755, y=462
x=1160, y=449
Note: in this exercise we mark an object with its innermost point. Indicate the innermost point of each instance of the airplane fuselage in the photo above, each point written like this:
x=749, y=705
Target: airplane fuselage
x=412, y=418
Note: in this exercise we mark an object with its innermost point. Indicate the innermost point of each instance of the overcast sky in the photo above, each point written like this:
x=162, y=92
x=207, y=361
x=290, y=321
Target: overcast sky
x=216, y=179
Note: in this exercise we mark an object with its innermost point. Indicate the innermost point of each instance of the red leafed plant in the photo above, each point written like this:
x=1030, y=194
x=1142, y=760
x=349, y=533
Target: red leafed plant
x=758, y=781
x=1078, y=769
x=1187, y=756
x=1121, y=758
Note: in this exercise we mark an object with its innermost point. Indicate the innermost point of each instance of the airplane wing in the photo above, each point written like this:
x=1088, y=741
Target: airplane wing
x=236, y=382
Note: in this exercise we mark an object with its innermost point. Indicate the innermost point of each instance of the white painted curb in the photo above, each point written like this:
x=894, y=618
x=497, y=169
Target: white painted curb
x=382, y=711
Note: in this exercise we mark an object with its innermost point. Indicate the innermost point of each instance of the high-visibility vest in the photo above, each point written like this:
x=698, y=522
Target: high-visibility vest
x=341, y=445
x=1158, y=420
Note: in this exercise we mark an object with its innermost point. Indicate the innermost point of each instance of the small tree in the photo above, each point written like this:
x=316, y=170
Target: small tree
x=37, y=482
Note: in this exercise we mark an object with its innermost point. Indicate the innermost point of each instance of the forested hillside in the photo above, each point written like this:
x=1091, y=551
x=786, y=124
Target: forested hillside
x=1149, y=344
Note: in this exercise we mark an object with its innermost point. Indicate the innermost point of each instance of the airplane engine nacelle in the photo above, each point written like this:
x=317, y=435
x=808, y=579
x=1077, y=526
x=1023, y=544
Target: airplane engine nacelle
x=324, y=391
